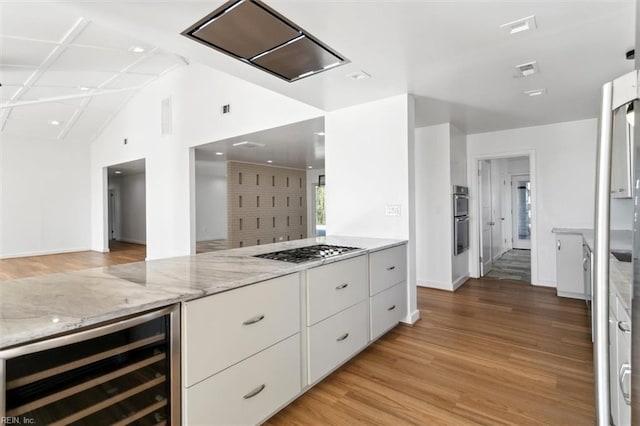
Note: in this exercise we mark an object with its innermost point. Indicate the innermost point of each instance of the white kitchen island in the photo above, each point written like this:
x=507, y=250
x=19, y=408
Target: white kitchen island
x=256, y=333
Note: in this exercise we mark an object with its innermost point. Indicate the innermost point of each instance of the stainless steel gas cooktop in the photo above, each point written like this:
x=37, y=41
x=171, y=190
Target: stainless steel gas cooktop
x=306, y=254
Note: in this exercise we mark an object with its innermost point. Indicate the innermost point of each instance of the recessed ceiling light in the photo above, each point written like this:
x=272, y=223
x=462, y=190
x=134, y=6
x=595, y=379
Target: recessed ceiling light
x=249, y=144
x=136, y=49
x=84, y=88
x=219, y=153
x=319, y=133
x=535, y=92
x=269, y=161
x=54, y=122
x=527, y=69
x=311, y=167
x=520, y=25
x=360, y=75
x=118, y=172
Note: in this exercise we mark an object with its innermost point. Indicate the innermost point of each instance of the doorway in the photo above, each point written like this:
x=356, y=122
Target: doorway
x=319, y=210
x=521, y=208
x=505, y=218
x=126, y=209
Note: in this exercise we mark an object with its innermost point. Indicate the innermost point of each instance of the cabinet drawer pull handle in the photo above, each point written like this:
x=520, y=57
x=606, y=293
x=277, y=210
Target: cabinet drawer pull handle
x=391, y=308
x=343, y=337
x=625, y=370
x=624, y=327
x=253, y=320
x=341, y=286
x=391, y=268
x=255, y=391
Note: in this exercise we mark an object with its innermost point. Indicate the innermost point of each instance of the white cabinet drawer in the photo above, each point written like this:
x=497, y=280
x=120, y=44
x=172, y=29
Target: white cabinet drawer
x=387, y=268
x=249, y=392
x=334, y=287
x=387, y=309
x=223, y=329
x=336, y=339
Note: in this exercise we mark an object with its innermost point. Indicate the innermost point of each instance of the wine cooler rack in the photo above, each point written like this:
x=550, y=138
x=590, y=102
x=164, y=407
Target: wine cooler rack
x=126, y=372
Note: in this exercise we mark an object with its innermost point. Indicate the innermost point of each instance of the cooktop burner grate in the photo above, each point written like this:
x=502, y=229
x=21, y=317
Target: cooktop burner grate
x=306, y=254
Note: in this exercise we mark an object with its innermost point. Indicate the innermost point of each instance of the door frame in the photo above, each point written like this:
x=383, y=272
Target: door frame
x=486, y=263
x=472, y=170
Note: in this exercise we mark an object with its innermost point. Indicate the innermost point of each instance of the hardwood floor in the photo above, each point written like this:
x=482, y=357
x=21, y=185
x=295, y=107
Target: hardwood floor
x=23, y=267
x=494, y=352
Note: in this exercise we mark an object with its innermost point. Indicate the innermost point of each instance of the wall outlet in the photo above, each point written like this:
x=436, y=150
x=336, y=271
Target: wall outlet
x=392, y=209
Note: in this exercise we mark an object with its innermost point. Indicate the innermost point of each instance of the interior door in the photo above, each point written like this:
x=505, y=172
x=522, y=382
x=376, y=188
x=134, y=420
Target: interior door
x=486, y=219
x=521, y=211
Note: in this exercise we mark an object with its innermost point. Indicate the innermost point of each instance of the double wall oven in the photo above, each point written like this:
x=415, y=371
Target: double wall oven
x=460, y=219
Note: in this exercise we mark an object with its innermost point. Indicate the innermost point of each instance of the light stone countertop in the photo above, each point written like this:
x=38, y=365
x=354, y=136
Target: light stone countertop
x=620, y=273
x=44, y=306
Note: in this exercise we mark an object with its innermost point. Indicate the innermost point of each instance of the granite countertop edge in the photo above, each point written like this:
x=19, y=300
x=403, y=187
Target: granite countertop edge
x=41, y=307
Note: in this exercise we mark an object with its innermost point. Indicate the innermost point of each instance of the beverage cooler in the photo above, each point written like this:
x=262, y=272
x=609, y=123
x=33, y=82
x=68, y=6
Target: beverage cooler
x=125, y=372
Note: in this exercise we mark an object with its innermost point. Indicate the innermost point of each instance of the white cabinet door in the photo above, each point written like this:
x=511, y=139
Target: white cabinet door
x=387, y=309
x=336, y=339
x=387, y=267
x=249, y=392
x=569, y=272
x=334, y=287
x=225, y=328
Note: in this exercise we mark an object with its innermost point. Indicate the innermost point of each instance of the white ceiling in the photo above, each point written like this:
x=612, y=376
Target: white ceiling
x=128, y=168
x=451, y=54
x=296, y=146
x=48, y=53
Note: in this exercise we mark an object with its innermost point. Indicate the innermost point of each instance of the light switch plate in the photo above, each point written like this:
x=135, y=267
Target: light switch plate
x=392, y=209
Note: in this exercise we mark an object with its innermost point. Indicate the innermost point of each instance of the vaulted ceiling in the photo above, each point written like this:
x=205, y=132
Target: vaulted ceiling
x=452, y=55
x=64, y=76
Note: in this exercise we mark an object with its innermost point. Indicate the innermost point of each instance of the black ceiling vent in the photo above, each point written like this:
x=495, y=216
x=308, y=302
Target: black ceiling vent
x=254, y=33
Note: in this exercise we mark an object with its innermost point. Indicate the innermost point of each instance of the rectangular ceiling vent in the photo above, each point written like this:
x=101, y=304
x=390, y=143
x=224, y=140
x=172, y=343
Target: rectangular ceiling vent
x=526, y=70
x=254, y=33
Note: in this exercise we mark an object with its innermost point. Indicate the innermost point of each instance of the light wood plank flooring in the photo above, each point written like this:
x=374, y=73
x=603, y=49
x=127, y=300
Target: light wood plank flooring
x=494, y=352
x=23, y=267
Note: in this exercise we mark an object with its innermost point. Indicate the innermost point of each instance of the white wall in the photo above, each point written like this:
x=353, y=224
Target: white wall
x=312, y=182
x=211, y=200
x=434, y=244
x=130, y=208
x=367, y=164
x=45, y=204
x=197, y=93
x=563, y=155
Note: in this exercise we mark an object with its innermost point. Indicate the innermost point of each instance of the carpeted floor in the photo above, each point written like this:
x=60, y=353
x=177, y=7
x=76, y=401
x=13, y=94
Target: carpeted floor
x=514, y=264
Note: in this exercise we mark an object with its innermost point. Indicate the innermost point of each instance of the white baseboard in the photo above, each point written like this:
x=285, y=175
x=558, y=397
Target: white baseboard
x=412, y=318
x=132, y=241
x=460, y=281
x=43, y=252
x=540, y=283
x=436, y=285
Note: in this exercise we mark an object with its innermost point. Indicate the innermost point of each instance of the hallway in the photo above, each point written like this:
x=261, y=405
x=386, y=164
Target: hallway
x=514, y=264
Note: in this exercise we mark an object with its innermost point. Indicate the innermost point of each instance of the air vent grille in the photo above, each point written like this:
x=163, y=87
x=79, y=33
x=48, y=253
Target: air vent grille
x=252, y=32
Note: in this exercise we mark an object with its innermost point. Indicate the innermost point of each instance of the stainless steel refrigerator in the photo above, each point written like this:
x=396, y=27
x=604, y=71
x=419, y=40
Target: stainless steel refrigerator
x=616, y=274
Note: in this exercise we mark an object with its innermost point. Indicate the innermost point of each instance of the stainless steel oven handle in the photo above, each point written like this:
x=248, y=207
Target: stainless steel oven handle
x=462, y=219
